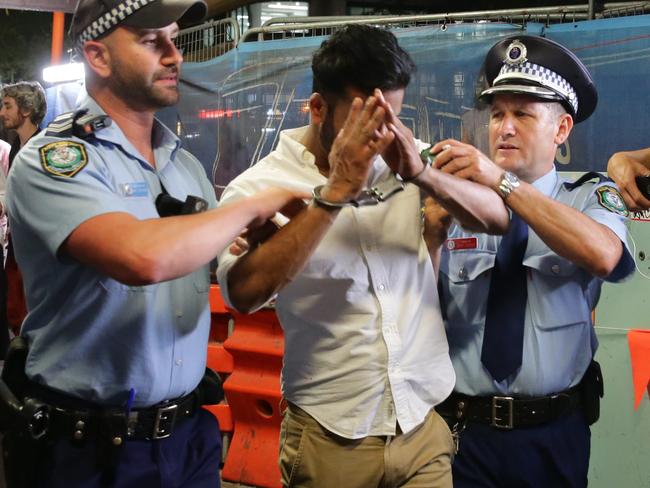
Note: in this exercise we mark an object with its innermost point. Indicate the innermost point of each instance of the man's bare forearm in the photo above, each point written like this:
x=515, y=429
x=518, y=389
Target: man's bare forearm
x=263, y=271
x=474, y=206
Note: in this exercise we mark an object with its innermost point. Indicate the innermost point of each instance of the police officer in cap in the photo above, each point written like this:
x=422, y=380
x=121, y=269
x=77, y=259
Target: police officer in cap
x=518, y=307
x=119, y=319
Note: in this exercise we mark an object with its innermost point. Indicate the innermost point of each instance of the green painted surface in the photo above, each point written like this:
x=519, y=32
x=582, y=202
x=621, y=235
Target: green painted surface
x=620, y=454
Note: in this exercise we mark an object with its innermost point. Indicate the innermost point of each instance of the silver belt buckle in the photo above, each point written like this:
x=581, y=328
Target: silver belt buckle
x=502, y=420
x=164, y=424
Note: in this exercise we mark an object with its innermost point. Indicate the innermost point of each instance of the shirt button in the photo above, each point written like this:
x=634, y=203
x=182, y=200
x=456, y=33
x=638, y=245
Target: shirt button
x=555, y=269
x=381, y=287
x=179, y=313
x=179, y=362
x=462, y=273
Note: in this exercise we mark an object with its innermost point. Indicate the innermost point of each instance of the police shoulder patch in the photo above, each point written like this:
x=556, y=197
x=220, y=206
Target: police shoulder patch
x=63, y=158
x=611, y=199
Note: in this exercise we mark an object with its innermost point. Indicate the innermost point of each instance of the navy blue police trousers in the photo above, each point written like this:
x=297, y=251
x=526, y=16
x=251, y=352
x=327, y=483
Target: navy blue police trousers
x=552, y=455
x=189, y=458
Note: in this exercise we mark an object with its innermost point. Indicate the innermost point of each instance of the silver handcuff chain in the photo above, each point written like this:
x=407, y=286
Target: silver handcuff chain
x=370, y=196
x=381, y=192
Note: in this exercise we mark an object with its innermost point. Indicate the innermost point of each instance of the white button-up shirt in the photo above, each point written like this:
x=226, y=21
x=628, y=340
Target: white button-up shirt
x=365, y=346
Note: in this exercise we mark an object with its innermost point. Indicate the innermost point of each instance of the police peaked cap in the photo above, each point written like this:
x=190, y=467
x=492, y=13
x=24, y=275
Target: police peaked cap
x=539, y=67
x=94, y=19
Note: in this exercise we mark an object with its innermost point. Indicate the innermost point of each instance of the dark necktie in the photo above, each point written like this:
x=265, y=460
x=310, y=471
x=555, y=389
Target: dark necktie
x=503, y=336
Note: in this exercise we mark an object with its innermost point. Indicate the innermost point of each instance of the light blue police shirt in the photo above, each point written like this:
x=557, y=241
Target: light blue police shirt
x=91, y=336
x=559, y=338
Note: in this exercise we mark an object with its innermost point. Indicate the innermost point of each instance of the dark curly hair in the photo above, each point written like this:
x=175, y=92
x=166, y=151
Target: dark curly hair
x=361, y=57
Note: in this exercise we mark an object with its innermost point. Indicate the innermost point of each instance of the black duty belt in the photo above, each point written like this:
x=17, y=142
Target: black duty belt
x=507, y=412
x=79, y=420
x=151, y=423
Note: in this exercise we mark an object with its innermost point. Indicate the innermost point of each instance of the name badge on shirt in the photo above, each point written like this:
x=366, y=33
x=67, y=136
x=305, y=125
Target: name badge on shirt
x=135, y=189
x=461, y=243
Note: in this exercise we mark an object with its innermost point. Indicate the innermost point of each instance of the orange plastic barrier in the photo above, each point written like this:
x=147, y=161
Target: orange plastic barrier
x=219, y=359
x=223, y=414
x=253, y=393
x=220, y=316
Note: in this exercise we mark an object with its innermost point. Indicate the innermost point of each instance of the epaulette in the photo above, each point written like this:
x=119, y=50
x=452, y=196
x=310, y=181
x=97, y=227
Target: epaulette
x=584, y=178
x=79, y=123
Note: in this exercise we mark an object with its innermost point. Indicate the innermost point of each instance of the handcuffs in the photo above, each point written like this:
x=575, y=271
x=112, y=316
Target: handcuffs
x=376, y=194
x=370, y=196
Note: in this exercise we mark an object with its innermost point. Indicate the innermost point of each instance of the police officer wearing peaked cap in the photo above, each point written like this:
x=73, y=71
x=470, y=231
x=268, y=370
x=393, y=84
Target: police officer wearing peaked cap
x=118, y=318
x=94, y=19
x=541, y=68
x=518, y=306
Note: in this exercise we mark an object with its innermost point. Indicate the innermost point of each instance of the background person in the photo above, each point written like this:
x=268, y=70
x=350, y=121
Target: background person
x=22, y=110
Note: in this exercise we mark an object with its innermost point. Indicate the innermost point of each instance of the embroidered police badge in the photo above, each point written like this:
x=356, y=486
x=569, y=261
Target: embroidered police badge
x=63, y=158
x=611, y=199
x=516, y=53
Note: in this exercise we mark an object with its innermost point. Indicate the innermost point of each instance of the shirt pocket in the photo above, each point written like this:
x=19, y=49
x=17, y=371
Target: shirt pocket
x=556, y=292
x=465, y=282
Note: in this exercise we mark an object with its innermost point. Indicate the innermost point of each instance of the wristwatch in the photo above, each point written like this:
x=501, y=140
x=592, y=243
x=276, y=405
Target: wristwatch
x=507, y=185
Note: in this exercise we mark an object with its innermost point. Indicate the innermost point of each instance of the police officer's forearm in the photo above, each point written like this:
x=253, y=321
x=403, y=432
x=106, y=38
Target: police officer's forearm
x=155, y=250
x=568, y=232
x=475, y=206
x=265, y=270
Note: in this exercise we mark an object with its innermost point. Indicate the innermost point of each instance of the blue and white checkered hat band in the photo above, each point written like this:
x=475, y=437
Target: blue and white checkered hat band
x=541, y=76
x=111, y=19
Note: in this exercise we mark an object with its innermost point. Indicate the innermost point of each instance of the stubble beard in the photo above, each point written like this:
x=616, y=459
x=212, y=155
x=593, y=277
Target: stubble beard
x=11, y=123
x=142, y=93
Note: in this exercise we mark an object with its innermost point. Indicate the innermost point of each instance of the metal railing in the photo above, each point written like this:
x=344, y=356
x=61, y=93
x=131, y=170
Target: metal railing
x=214, y=38
x=435, y=18
x=281, y=28
x=625, y=9
x=209, y=40
x=633, y=7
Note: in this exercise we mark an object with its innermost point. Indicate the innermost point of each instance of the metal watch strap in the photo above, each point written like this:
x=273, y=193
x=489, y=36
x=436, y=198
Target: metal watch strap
x=507, y=185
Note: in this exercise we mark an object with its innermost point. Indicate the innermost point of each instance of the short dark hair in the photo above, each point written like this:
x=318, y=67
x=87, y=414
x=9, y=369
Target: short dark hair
x=362, y=57
x=29, y=96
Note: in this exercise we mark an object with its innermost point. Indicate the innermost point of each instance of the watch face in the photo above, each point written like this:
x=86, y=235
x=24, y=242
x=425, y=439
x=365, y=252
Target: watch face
x=511, y=178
